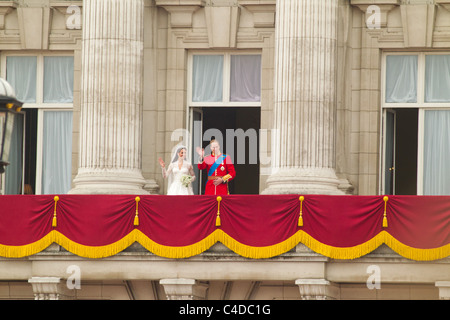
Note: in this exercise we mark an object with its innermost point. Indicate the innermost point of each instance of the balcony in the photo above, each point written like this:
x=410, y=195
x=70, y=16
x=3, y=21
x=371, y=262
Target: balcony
x=271, y=238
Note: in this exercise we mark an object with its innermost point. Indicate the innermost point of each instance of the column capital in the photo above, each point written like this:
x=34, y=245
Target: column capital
x=317, y=289
x=184, y=289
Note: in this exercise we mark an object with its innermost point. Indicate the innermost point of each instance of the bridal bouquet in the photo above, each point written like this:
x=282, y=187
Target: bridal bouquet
x=186, y=180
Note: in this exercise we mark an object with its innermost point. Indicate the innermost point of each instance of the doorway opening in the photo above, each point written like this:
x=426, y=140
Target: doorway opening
x=401, y=147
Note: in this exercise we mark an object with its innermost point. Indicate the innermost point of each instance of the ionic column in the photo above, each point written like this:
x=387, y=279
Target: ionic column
x=111, y=98
x=305, y=98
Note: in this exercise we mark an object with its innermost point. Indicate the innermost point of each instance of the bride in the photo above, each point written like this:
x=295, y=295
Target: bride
x=180, y=173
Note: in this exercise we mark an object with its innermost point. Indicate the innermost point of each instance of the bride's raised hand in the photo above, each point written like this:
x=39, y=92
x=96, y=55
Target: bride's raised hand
x=161, y=162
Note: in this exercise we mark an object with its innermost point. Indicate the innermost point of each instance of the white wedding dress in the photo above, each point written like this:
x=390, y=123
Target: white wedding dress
x=175, y=175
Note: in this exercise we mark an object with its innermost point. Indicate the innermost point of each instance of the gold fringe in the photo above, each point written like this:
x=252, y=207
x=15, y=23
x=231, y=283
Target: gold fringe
x=176, y=252
x=341, y=253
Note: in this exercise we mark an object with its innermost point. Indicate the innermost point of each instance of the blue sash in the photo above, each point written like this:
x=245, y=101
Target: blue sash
x=216, y=164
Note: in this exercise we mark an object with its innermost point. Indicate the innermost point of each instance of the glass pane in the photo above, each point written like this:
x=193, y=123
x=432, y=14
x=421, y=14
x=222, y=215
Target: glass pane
x=401, y=79
x=58, y=79
x=57, y=152
x=436, y=171
x=245, y=82
x=437, y=78
x=13, y=173
x=207, y=78
x=21, y=74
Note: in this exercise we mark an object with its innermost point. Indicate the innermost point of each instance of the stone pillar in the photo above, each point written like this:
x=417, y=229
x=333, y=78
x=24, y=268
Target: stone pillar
x=184, y=289
x=305, y=98
x=317, y=289
x=111, y=98
x=49, y=288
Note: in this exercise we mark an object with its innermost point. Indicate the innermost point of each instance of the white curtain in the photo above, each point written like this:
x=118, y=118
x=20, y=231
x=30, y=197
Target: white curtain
x=58, y=79
x=245, y=83
x=437, y=78
x=401, y=79
x=207, y=78
x=436, y=171
x=57, y=152
x=21, y=74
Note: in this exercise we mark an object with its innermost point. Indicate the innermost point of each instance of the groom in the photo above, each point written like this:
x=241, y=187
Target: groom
x=220, y=169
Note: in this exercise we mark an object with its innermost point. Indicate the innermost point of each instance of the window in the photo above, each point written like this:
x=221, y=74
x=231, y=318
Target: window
x=44, y=82
x=416, y=122
x=224, y=97
x=229, y=79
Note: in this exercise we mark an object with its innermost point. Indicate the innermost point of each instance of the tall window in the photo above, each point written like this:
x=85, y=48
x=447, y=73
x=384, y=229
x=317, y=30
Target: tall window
x=416, y=108
x=44, y=83
x=224, y=94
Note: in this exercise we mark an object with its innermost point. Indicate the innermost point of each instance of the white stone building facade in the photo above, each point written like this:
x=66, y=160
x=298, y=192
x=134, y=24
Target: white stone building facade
x=320, y=106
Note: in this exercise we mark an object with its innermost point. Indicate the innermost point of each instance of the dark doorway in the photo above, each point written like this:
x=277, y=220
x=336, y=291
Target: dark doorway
x=401, y=151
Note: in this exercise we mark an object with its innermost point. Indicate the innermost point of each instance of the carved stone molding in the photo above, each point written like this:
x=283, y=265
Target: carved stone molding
x=263, y=12
x=49, y=288
x=222, y=35
x=444, y=3
x=317, y=289
x=6, y=7
x=418, y=24
x=184, y=289
x=444, y=289
x=70, y=9
x=384, y=7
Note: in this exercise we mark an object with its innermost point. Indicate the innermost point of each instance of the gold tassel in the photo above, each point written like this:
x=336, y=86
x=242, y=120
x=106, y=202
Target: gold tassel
x=218, y=222
x=136, y=217
x=54, y=222
x=300, y=218
x=385, y=222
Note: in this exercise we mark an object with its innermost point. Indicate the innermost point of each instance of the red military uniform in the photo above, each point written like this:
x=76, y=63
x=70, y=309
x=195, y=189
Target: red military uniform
x=218, y=166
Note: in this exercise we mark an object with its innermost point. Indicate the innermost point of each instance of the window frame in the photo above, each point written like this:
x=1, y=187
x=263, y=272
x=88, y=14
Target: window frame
x=421, y=105
x=39, y=76
x=226, y=79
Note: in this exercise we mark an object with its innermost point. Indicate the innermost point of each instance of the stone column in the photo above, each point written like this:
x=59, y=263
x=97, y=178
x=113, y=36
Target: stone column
x=305, y=98
x=184, y=289
x=111, y=98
